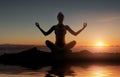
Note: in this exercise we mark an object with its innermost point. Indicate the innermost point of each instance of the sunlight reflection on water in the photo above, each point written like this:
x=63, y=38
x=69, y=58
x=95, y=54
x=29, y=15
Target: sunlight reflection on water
x=79, y=71
x=98, y=71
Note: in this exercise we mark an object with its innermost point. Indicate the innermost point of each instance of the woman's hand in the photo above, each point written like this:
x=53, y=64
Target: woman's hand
x=37, y=24
x=84, y=25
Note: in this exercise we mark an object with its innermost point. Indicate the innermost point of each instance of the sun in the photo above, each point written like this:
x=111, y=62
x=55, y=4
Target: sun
x=100, y=44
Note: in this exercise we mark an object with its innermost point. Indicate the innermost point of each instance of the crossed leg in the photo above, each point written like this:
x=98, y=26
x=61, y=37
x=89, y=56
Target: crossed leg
x=52, y=46
x=55, y=49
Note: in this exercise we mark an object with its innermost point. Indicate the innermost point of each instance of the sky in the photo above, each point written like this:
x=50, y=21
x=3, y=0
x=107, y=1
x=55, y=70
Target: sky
x=18, y=17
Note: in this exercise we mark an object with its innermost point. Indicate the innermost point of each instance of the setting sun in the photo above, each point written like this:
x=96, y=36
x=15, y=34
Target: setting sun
x=100, y=44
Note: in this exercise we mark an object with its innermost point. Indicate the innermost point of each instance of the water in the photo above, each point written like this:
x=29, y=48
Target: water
x=94, y=70
x=98, y=71
x=96, y=49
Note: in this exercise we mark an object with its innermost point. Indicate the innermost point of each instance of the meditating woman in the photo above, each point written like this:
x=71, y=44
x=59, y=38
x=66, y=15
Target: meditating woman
x=60, y=32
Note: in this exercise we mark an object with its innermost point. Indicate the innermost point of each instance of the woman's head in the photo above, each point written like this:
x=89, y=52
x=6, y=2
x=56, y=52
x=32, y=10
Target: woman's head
x=60, y=17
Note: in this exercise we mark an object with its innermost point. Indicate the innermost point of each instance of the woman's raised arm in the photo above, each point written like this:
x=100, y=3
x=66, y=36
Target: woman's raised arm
x=45, y=33
x=76, y=33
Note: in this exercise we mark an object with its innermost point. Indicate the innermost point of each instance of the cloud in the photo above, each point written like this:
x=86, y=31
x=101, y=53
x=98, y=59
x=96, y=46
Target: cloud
x=109, y=19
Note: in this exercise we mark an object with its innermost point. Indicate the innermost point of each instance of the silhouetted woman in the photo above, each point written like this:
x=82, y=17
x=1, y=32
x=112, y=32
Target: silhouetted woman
x=60, y=31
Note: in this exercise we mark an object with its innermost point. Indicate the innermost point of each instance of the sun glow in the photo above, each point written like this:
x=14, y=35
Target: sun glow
x=100, y=44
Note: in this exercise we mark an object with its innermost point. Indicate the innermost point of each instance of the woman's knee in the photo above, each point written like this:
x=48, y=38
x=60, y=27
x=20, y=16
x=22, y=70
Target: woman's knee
x=47, y=42
x=73, y=42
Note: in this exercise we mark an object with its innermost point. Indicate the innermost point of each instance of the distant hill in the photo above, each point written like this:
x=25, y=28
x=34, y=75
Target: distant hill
x=13, y=48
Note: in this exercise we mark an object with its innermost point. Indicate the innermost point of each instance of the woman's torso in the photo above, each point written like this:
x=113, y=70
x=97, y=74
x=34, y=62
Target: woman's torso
x=60, y=32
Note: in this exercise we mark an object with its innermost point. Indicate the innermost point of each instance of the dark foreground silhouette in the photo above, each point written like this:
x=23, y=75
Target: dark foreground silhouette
x=33, y=58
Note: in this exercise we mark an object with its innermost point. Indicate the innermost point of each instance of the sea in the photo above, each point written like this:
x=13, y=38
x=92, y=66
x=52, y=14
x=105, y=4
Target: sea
x=61, y=70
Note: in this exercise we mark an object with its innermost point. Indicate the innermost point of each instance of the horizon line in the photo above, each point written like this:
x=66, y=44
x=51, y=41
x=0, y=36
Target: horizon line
x=76, y=46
